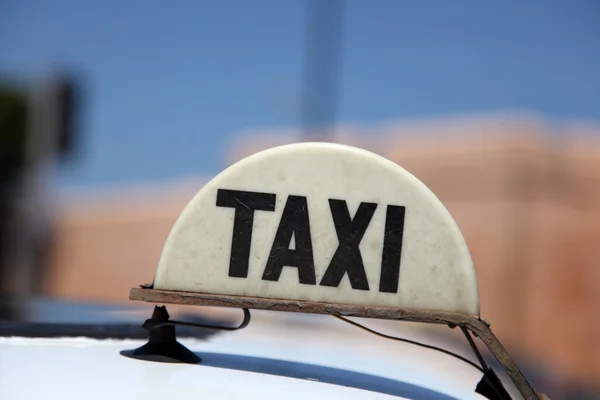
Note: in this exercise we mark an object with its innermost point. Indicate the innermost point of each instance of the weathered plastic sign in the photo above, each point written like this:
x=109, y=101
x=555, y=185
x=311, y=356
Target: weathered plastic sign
x=320, y=222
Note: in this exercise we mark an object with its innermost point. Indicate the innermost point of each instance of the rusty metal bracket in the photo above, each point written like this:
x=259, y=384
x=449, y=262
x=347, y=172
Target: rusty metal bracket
x=474, y=324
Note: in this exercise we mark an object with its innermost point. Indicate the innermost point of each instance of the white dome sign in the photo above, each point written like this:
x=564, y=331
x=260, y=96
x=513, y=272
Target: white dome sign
x=320, y=222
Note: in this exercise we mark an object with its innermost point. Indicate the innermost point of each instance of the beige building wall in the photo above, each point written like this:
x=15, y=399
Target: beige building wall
x=529, y=208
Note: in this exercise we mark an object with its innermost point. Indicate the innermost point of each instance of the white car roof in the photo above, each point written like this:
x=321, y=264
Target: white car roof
x=268, y=359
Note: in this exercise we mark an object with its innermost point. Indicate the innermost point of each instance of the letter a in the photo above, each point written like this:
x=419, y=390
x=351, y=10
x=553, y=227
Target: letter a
x=294, y=223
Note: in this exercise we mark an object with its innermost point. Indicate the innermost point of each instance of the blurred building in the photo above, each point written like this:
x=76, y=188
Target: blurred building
x=525, y=194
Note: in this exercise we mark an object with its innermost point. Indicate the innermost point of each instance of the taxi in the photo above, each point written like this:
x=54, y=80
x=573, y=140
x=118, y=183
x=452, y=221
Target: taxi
x=319, y=229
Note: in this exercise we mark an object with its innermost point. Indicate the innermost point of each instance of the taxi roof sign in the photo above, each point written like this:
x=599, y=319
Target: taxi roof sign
x=321, y=228
x=320, y=222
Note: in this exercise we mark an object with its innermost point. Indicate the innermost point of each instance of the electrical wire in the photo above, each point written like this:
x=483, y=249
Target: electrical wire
x=427, y=346
x=151, y=324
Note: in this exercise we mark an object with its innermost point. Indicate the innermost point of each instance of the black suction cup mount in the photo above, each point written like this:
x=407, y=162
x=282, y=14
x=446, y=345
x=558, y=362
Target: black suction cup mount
x=162, y=343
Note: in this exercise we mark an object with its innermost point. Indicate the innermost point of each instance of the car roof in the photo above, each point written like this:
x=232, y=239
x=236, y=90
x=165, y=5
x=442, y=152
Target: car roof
x=275, y=357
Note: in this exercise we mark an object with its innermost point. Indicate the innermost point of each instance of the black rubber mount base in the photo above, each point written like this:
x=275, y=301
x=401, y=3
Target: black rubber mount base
x=162, y=343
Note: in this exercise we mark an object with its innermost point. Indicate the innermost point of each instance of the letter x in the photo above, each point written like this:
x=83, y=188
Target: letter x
x=347, y=257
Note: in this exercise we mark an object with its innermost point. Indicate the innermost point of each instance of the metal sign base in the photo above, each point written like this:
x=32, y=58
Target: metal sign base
x=474, y=324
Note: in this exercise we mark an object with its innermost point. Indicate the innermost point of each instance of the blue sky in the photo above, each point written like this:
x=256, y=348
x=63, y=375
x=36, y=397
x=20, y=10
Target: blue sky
x=169, y=84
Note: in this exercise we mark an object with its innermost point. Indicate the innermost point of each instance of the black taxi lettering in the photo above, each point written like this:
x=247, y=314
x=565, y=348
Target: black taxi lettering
x=295, y=225
x=347, y=258
x=245, y=203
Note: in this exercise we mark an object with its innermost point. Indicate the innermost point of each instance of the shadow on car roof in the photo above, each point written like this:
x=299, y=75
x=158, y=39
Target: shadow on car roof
x=333, y=376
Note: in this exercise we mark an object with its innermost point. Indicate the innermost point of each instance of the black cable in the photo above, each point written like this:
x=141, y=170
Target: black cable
x=427, y=346
x=151, y=324
x=474, y=348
